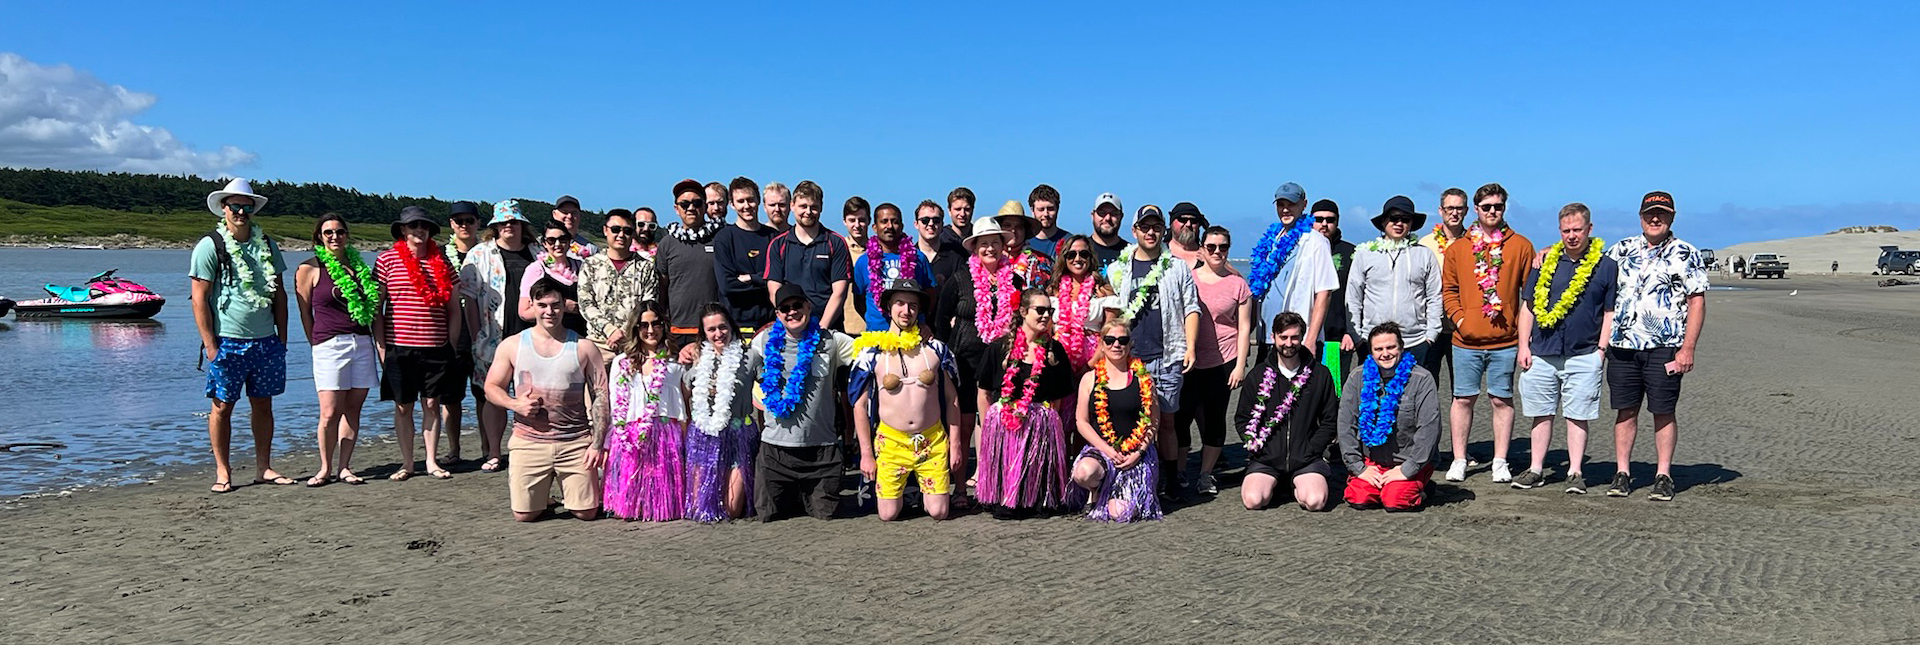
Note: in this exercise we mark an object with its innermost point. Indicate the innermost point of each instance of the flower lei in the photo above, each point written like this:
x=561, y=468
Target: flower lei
x=1257, y=431
x=1274, y=249
x=992, y=294
x=1136, y=439
x=877, y=268
x=1380, y=404
x=1440, y=233
x=693, y=235
x=888, y=341
x=1382, y=244
x=354, y=280
x=258, y=293
x=1486, y=266
x=1147, y=283
x=1032, y=266
x=437, y=291
x=714, y=378
x=1076, y=301
x=637, y=430
x=560, y=270
x=1013, y=412
x=783, y=394
x=1575, y=286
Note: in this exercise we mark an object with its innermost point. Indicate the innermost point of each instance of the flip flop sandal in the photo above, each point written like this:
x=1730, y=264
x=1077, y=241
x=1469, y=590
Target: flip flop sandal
x=492, y=465
x=318, y=480
x=221, y=488
x=282, y=480
x=352, y=479
x=440, y=473
x=401, y=475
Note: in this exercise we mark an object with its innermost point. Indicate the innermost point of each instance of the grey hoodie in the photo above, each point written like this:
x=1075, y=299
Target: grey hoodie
x=1399, y=285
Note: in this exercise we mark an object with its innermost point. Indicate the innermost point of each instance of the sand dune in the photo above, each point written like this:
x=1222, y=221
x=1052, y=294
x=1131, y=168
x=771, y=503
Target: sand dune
x=1856, y=252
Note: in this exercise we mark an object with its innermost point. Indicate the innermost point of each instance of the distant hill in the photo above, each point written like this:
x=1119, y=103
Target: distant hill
x=1881, y=228
x=1856, y=252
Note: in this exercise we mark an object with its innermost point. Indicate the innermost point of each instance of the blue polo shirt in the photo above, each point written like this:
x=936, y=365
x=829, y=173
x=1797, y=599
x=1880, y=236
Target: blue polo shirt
x=862, y=280
x=814, y=266
x=1579, y=333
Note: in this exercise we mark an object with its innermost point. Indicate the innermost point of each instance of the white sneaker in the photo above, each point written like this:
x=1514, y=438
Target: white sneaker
x=1458, y=471
x=1501, y=474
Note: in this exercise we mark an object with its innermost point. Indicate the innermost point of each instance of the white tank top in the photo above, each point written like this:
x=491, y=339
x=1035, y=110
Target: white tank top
x=561, y=383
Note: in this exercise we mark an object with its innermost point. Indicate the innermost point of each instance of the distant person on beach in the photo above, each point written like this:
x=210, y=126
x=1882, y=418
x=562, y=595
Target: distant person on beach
x=1389, y=427
x=684, y=260
x=1836, y=267
x=489, y=284
x=811, y=257
x=1453, y=213
x=1118, y=470
x=1106, y=219
x=463, y=218
x=1287, y=418
x=739, y=253
x=415, y=339
x=1565, y=326
x=339, y=304
x=1480, y=286
x=1657, y=320
x=240, y=310
x=566, y=211
x=1044, y=201
x=554, y=438
x=557, y=263
x=800, y=459
x=905, y=393
x=613, y=282
x=1159, y=297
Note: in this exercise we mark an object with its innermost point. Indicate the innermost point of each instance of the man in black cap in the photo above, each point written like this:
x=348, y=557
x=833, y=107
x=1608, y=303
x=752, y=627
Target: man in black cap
x=800, y=460
x=566, y=211
x=1326, y=221
x=1188, y=224
x=1394, y=280
x=687, y=254
x=464, y=218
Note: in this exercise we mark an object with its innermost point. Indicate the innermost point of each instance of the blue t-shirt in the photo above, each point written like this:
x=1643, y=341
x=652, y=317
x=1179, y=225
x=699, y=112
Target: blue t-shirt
x=1148, y=334
x=876, y=316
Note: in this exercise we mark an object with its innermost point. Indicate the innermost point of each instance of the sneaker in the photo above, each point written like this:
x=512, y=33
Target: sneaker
x=1501, y=474
x=1662, y=489
x=1458, y=471
x=1529, y=479
x=1207, y=486
x=1576, y=483
x=1622, y=485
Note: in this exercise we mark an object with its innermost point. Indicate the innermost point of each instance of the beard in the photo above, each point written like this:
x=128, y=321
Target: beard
x=1186, y=236
x=1290, y=351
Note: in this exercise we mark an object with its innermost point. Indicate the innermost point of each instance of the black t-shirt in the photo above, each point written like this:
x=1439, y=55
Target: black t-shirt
x=516, y=263
x=1107, y=254
x=1056, y=379
x=1123, y=408
x=1148, y=335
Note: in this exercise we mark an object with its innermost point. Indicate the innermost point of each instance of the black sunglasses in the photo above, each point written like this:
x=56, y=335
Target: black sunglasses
x=929, y=221
x=651, y=324
x=619, y=230
x=1186, y=219
x=1122, y=341
x=1216, y=248
x=1493, y=207
x=555, y=240
x=238, y=209
x=466, y=221
x=792, y=306
x=691, y=204
x=419, y=225
x=1043, y=311
x=1077, y=255
x=1326, y=220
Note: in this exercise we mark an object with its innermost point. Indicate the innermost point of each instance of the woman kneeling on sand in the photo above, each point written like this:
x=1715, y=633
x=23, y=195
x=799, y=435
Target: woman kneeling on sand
x=649, y=416
x=1119, y=466
x=724, y=435
x=1389, y=427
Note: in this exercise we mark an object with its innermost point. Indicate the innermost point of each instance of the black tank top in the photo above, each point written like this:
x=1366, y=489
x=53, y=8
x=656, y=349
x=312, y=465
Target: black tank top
x=1123, y=407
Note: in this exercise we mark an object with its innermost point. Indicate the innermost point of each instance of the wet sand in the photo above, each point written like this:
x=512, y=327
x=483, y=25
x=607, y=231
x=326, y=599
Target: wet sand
x=1798, y=520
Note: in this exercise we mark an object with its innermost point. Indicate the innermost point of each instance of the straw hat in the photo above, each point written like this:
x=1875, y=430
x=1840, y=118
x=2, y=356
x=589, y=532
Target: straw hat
x=1013, y=209
x=239, y=187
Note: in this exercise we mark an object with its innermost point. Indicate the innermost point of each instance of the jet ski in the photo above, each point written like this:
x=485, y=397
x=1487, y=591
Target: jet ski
x=5, y=306
x=103, y=297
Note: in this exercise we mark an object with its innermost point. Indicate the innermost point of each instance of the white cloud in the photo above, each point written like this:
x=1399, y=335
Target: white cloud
x=61, y=117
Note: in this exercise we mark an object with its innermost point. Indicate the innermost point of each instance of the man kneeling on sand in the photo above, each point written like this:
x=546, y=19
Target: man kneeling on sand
x=905, y=385
x=554, y=438
x=1389, y=427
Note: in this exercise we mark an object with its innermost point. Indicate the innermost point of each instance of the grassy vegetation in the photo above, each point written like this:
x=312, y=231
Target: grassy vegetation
x=27, y=223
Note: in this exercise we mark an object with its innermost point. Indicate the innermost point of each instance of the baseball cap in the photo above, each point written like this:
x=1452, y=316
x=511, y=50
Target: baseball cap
x=566, y=199
x=1657, y=200
x=1329, y=206
x=688, y=186
x=1144, y=210
x=1291, y=192
x=1106, y=199
x=789, y=291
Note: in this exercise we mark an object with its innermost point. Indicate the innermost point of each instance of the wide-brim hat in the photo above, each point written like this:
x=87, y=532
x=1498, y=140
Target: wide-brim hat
x=985, y=228
x=507, y=210
x=1400, y=204
x=239, y=187
x=1013, y=209
x=903, y=285
x=412, y=214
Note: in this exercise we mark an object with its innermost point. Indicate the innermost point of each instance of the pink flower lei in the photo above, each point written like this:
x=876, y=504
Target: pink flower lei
x=1257, y=430
x=992, y=299
x=1013, y=412
x=1486, y=266
x=1076, y=298
x=635, y=431
x=877, y=267
x=560, y=269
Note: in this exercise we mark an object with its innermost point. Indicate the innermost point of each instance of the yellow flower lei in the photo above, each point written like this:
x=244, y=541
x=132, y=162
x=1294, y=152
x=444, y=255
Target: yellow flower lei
x=888, y=341
x=1576, y=286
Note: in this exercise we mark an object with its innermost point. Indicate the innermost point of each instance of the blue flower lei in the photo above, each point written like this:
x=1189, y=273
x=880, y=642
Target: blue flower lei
x=1269, y=254
x=1379, y=407
x=783, y=397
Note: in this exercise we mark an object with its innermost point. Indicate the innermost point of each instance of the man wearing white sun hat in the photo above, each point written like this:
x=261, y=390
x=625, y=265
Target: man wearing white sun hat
x=240, y=310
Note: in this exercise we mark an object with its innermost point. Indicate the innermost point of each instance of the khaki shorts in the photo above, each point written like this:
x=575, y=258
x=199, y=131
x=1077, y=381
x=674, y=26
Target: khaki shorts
x=532, y=467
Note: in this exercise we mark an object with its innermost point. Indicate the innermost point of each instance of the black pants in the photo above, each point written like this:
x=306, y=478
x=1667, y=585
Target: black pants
x=787, y=480
x=1440, y=350
x=1203, y=398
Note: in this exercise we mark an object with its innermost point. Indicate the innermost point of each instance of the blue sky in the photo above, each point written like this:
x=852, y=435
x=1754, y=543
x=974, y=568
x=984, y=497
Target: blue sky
x=1765, y=120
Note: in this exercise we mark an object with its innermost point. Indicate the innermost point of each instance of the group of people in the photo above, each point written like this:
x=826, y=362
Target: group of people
x=724, y=367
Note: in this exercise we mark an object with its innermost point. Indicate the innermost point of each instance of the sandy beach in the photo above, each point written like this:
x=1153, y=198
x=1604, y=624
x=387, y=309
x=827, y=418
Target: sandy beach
x=1797, y=520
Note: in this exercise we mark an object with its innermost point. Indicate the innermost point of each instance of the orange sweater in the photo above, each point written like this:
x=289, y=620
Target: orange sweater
x=1460, y=294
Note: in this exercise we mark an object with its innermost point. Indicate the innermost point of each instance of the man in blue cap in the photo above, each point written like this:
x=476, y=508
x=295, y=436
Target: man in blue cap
x=1293, y=265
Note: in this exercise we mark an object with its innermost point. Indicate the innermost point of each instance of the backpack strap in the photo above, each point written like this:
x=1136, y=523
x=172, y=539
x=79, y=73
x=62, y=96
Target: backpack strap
x=223, y=258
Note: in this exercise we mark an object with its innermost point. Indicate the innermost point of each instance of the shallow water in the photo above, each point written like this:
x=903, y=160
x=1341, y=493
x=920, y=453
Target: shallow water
x=124, y=398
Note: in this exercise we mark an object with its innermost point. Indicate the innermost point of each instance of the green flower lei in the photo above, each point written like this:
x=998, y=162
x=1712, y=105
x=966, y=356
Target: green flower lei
x=1148, y=282
x=1577, y=285
x=355, y=281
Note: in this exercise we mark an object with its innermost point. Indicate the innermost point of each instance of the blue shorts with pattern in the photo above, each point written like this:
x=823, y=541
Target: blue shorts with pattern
x=259, y=365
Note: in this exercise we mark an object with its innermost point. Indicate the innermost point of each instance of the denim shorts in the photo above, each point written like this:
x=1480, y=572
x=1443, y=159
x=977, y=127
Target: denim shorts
x=1569, y=385
x=1167, y=379
x=1495, y=366
x=256, y=365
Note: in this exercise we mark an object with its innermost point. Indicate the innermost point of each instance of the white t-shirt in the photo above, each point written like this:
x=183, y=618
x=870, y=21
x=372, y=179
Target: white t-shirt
x=1309, y=272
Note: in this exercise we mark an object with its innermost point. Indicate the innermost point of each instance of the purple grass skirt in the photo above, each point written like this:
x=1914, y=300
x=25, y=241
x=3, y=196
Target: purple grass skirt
x=646, y=482
x=1135, y=488
x=710, y=462
x=1024, y=467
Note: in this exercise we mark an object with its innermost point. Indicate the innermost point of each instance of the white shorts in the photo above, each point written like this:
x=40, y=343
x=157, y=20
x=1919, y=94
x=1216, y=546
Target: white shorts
x=345, y=362
x=1569, y=384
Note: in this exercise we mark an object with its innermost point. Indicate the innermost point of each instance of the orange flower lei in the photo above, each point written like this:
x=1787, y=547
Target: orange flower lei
x=1138, y=438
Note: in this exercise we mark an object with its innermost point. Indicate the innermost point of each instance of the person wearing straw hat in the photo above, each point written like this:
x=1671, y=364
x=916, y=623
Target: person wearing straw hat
x=240, y=310
x=491, y=307
x=1032, y=266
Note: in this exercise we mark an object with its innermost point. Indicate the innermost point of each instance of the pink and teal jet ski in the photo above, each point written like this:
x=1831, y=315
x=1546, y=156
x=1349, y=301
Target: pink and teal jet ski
x=103, y=296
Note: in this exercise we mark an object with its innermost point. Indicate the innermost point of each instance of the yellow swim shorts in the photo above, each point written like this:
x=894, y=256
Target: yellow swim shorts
x=901, y=454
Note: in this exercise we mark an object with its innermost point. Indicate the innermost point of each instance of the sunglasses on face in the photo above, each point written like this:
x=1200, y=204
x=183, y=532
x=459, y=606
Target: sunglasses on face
x=1326, y=220
x=1186, y=219
x=239, y=209
x=1043, y=311
x=422, y=226
x=1150, y=229
x=1077, y=255
x=652, y=324
x=1118, y=341
x=928, y=221
x=465, y=221
x=334, y=232
x=1401, y=219
x=1493, y=208
x=792, y=307
x=690, y=204
x=1216, y=248
x=555, y=240
x=619, y=230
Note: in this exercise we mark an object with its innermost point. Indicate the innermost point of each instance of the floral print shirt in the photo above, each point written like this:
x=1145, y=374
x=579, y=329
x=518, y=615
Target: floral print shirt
x=608, y=295
x=1654, y=282
x=483, y=282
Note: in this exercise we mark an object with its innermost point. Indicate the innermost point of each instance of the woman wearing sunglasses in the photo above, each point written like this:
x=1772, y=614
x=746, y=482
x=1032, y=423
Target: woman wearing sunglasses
x=1022, y=443
x=645, y=477
x=557, y=262
x=339, y=298
x=1119, y=467
x=1076, y=316
x=1220, y=350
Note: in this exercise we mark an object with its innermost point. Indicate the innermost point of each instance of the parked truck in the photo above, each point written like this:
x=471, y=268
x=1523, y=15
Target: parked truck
x=1765, y=265
x=1893, y=260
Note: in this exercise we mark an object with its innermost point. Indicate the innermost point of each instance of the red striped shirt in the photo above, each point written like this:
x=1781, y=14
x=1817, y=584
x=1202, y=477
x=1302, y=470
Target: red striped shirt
x=411, y=321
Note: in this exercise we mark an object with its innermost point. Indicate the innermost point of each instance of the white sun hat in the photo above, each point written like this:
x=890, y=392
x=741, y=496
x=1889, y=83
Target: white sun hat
x=239, y=187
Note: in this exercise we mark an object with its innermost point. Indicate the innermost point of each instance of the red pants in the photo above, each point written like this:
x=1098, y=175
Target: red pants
x=1403, y=495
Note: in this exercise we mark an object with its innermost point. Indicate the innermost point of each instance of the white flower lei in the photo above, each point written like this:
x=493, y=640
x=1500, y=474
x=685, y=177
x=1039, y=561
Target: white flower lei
x=250, y=291
x=1382, y=244
x=1151, y=280
x=713, y=399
